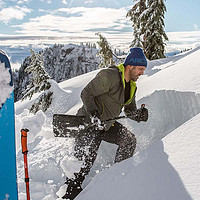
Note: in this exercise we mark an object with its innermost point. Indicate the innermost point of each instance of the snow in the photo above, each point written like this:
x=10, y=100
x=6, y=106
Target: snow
x=5, y=87
x=168, y=169
x=182, y=75
x=166, y=162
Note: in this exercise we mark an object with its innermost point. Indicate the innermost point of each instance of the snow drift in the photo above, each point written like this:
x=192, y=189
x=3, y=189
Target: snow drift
x=5, y=88
x=166, y=162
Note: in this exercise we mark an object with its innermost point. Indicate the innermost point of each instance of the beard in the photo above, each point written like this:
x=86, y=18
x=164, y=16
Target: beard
x=133, y=75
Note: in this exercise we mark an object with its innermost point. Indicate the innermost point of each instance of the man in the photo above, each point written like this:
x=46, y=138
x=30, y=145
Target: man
x=103, y=98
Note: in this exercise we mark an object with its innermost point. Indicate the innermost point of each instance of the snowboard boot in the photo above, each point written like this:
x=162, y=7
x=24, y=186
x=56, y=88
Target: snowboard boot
x=73, y=189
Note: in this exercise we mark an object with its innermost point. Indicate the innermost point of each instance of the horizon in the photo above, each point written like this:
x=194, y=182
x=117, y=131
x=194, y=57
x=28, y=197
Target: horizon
x=41, y=23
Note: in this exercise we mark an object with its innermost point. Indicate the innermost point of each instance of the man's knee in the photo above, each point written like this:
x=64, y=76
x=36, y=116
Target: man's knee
x=127, y=148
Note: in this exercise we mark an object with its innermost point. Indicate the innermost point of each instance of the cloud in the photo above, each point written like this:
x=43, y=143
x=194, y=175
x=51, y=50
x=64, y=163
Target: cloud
x=18, y=2
x=76, y=20
x=23, y=1
x=64, y=2
x=47, y=1
x=89, y=1
x=196, y=27
x=179, y=41
x=10, y=13
x=1, y=3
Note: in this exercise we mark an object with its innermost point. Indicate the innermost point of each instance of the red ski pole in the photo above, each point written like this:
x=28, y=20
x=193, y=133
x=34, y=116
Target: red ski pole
x=25, y=152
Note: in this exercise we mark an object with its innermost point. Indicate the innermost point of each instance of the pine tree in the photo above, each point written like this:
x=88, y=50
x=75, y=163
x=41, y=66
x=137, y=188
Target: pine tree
x=154, y=34
x=105, y=53
x=134, y=14
x=148, y=23
x=39, y=82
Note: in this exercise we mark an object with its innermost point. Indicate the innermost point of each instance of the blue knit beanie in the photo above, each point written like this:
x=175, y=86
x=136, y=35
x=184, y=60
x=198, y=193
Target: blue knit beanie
x=136, y=57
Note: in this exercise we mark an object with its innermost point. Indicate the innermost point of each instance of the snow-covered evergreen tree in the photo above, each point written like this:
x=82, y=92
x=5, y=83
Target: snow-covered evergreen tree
x=153, y=29
x=61, y=62
x=39, y=82
x=148, y=24
x=105, y=53
x=66, y=61
x=134, y=14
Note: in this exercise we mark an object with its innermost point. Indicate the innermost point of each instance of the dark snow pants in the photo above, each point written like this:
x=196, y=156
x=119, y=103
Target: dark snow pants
x=87, y=146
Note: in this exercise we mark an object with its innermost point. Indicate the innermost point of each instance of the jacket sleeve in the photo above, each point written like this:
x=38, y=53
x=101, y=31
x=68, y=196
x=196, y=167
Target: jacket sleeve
x=97, y=86
x=131, y=109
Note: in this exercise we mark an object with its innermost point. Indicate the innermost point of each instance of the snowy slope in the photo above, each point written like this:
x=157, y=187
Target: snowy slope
x=179, y=75
x=160, y=169
x=168, y=169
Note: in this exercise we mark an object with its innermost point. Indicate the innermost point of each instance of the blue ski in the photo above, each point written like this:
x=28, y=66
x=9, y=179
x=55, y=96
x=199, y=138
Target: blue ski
x=8, y=176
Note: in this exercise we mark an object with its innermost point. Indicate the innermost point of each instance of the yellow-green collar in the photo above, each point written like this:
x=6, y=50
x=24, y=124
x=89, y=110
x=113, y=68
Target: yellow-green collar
x=132, y=83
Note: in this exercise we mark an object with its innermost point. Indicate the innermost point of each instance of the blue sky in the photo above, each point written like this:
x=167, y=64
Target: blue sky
x=75, y=17
x=182, y=15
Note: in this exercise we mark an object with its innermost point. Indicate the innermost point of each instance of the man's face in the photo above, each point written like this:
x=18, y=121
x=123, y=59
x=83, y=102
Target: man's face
x=135, y=72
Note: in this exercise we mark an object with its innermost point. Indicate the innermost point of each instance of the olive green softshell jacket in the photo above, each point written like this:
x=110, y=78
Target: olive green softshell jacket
x=106, y=93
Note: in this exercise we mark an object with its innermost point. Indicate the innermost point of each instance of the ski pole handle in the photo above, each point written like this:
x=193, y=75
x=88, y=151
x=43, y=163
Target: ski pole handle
x=24, y=140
